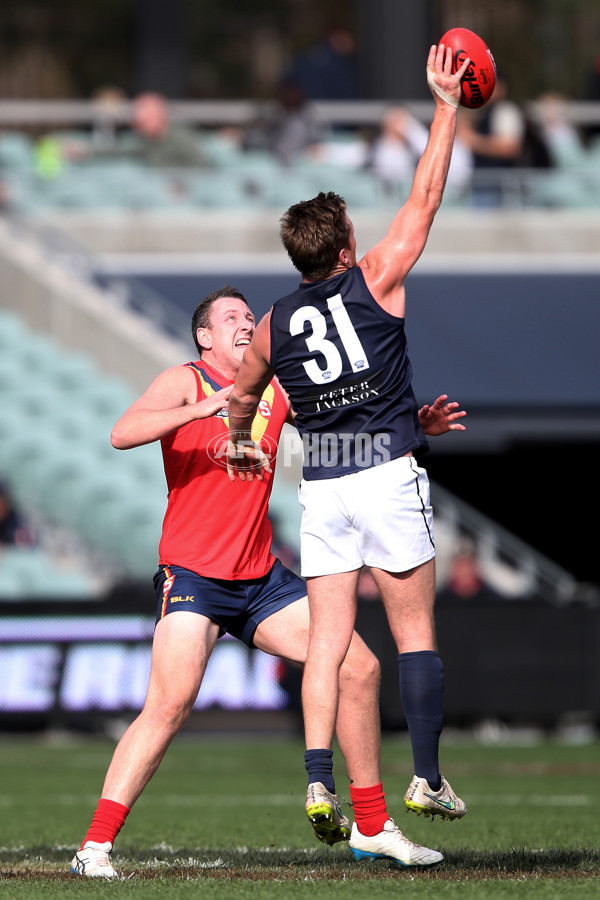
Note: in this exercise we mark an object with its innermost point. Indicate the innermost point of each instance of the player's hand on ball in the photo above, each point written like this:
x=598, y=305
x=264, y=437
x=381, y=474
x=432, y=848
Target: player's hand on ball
x=444, y=84
x=479, y=81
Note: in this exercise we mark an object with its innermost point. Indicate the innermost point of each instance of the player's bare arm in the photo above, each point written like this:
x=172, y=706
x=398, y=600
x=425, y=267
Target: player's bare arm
x=441, y=416
x=166, y=405
x=291, y=414
x=252, y=378
x=386, y=266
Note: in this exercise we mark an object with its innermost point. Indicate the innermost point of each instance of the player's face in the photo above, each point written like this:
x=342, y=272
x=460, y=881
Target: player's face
x=231, y=329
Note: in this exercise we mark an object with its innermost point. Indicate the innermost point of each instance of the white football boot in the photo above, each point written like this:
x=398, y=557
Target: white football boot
x=325, y=814
x=420, y=798
x=391, y=844
x=93, y=861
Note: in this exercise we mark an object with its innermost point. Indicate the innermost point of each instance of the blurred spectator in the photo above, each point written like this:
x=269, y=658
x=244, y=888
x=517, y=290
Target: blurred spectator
x=49, y=157
x=288, y=129
x=156, y=141
x=328, y=69
x=565, y=144
x=54, y=151
x=109, y=102
x=151, y=139
x=592, y=92
x=495, y=134
x=398, y=147
x=465, y=580
x=396, y=150
x=14, y=530
x=536, y=152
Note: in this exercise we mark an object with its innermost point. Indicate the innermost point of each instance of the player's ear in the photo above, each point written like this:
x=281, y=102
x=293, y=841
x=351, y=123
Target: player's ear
x=344, y=257
x=203, y=336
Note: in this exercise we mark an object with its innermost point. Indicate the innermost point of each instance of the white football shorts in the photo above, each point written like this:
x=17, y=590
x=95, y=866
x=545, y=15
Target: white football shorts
x=379, y=517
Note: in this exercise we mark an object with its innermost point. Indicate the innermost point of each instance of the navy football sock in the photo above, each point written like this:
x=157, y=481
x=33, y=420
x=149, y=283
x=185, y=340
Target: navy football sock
x=422, y=695
x=319, y=765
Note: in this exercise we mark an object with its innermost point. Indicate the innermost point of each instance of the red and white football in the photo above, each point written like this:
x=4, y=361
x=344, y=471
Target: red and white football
x=479, y=80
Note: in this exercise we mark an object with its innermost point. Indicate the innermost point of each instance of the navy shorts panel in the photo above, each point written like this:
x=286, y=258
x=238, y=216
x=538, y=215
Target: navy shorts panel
x=237, y=607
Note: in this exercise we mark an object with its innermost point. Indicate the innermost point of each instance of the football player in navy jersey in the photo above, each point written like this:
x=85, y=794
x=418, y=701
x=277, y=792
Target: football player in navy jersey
x=337, y=345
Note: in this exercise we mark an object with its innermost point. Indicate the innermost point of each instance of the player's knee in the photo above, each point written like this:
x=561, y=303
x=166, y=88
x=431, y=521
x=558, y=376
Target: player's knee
x=361, y=675
x=372, y=672
x=171, y=712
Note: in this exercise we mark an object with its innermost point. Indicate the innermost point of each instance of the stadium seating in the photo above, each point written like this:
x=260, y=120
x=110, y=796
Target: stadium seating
x=16, y=151
x=219, y=189
x=55, y=452
x=30, y=573
x=238, y=178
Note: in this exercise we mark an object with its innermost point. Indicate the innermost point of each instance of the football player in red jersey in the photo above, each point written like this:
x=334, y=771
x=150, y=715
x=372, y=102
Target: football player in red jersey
x=217, y=573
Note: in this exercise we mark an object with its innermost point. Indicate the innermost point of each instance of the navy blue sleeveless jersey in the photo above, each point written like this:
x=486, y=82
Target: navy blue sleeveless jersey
x=343, y=361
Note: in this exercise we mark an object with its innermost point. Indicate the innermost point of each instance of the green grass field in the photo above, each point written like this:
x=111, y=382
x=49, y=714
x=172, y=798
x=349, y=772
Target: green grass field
x=224, y=818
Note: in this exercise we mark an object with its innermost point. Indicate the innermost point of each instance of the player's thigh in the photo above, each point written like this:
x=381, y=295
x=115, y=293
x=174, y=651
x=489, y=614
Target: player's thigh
x=332, y=603
x=285, y=632
x=409, y=599
x=329, y=615
x=183, y=643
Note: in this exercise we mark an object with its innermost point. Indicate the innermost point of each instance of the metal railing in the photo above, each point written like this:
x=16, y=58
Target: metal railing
x=219, y=113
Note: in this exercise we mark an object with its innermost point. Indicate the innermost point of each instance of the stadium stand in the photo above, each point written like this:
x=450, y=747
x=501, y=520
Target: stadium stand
x=99, y=486
x=55, y=451
x=31, y=574
x=252, y=178
x=56, y=455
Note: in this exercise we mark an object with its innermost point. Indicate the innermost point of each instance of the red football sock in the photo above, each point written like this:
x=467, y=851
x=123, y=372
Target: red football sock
x=107, y=822
x=370, y=813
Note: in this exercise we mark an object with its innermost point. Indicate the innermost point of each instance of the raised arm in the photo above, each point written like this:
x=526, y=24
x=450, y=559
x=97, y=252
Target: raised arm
x=386, y=266
x=166, y=405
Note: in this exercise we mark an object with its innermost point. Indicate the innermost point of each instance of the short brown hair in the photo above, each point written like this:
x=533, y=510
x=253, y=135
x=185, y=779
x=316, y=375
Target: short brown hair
x=313, y=232
x=201, y=317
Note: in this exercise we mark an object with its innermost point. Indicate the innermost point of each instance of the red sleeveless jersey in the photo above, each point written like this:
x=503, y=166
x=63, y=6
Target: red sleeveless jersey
x=213, y=526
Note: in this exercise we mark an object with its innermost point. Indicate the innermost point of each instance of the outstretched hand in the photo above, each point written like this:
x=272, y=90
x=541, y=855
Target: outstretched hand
x=441, y=417
x=444, y=85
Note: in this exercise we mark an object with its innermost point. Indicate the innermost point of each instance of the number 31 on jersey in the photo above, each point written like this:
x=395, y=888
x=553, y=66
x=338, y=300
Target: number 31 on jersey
x=316, y=342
